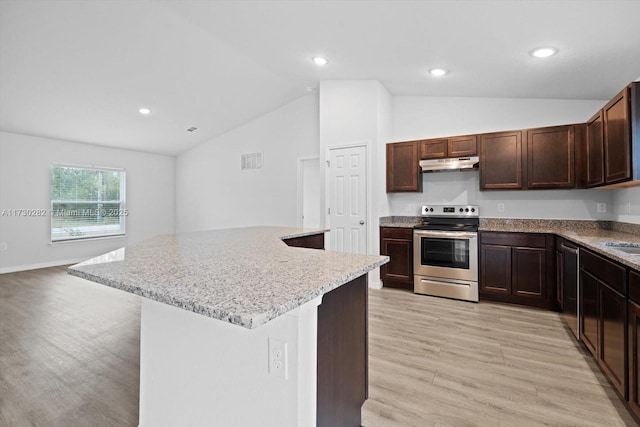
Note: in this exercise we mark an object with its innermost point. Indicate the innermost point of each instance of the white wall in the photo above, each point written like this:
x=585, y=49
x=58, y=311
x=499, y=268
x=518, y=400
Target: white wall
x=25, y=176
x=463, y=188
x=416, y=117
x=626, y=205
x=211, y=190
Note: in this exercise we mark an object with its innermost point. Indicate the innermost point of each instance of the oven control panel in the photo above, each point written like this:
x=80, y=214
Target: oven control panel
x=450, y=210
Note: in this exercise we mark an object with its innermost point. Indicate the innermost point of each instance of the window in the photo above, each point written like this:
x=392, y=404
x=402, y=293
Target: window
x=87, y=202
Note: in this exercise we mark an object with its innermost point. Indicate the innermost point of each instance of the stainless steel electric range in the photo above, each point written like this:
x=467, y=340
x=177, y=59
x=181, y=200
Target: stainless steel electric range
x=445, y=248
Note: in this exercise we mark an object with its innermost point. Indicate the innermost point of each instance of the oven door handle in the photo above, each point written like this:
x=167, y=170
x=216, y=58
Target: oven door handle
x=454, y=234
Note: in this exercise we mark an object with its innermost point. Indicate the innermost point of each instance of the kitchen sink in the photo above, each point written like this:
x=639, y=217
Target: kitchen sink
x=630, y=248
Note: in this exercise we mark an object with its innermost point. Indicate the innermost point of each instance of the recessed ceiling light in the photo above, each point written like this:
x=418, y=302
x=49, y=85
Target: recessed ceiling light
x=320, y=61
x=544, y=52
x=438, y=72
x=144, y=111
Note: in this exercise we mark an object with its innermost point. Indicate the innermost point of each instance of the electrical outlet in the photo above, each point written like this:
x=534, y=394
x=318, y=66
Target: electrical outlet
x=602, y=207
x=278, y=364
x=3, y=246
x=627, y=208
x=500, y=207
x=407, y=207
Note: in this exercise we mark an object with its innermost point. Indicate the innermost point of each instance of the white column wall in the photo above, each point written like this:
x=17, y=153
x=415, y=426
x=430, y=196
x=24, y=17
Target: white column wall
x=358, y=112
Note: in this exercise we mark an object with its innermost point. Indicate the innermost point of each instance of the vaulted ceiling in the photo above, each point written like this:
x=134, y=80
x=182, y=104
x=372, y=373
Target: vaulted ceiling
x=80, y=70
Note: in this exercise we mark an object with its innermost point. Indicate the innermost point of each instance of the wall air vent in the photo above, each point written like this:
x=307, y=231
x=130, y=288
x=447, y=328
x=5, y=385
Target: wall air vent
x=251, y=161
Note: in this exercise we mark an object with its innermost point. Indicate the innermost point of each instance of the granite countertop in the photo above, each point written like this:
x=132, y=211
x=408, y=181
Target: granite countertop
x=400, y=221
x=245, y=276
x=590, y=234
x=593, y=235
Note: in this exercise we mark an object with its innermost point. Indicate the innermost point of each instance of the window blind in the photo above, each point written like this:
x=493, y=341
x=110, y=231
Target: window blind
x=87, y=202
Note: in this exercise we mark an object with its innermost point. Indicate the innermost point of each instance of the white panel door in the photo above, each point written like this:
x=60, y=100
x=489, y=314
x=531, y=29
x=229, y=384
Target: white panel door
x=348, y=199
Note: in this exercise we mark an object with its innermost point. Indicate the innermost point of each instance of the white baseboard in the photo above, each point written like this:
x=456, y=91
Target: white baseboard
x=375, y=284
x=40, y=265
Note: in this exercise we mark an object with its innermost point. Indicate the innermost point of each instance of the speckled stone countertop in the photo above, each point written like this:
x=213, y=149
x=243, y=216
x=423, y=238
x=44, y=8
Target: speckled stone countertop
x=593, y=235
x=589, y=234
x=245, y=276
x=400, y=221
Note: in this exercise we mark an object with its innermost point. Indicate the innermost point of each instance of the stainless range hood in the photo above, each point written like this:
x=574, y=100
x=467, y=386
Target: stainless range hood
x=442, y=165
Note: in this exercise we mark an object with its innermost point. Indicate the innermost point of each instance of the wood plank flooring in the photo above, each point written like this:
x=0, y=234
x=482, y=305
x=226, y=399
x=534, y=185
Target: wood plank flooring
x=69, y=352
x=69, y=356
x=439, y=362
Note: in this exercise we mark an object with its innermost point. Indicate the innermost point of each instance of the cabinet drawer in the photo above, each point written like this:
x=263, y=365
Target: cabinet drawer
x=614, y=275
x=529, y=240
x=634, y=286
x=397, y=233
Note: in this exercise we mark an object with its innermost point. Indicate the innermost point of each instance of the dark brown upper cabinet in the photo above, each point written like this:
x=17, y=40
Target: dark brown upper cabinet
x=595, y=151
x=501, y=161
x=403, y=167
x=433, y=149
x=551, y=157
x=617, y=137
x=610, y=140
x=459, y=146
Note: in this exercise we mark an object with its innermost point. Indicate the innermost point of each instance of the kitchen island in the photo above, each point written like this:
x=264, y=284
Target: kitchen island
x=237, y=328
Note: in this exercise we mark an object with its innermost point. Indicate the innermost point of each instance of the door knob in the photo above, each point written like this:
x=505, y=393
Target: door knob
x=361, y=222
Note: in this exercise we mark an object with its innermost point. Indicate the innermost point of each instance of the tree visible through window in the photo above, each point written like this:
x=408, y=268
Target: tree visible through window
x=87, y=202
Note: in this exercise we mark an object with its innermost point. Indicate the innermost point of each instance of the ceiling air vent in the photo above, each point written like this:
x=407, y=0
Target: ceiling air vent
x=192, y=129
x=251, y=161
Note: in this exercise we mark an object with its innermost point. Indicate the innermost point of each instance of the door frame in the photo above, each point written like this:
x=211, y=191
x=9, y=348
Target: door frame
x=369, y=193
x=300, y=187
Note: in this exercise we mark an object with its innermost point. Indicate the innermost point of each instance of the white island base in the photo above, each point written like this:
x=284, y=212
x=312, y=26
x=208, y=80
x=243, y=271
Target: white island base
x=199, y=371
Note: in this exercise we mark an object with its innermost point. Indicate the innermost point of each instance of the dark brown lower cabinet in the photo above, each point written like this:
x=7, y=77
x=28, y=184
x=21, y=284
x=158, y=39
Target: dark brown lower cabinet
x=314, y=241
x=613, y=321
x=343, y=355
x=397, y=244
x=633, y=308
x=589, y=311
x=513, y=268
x=603, y=285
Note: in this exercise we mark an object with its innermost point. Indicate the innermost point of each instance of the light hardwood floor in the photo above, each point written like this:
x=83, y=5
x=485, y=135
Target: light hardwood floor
x=69, y=352
x=439, y=362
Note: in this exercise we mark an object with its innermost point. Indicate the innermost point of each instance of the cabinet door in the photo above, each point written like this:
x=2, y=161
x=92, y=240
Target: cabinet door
x=495, y=276
x=617, y=141
x=403, y=174
x=433, y=149
x=589, y=311
x=634, y=346
x=501, y=161
x=613, y=321
x=559, y=281
x=551, y=157
x=463, y=146
x=400, y=265
x=529, y=272
x=595, y=151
